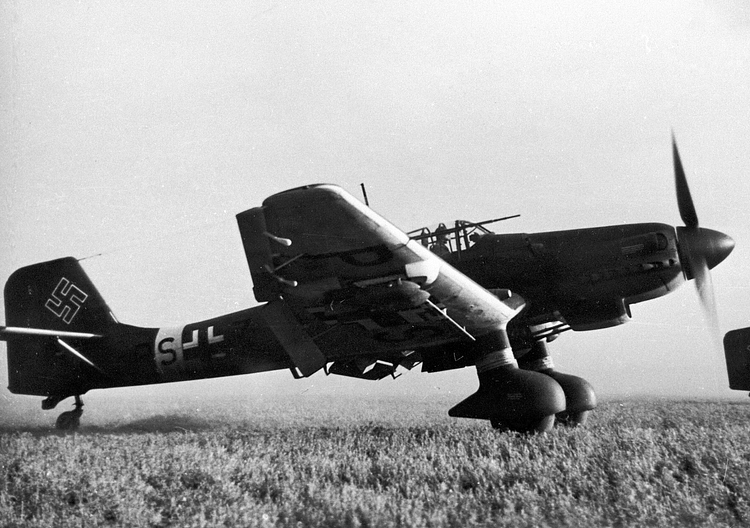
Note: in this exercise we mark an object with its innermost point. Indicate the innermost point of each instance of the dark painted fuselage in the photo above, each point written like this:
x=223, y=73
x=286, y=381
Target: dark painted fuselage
x=233, y=344
x=589, y=276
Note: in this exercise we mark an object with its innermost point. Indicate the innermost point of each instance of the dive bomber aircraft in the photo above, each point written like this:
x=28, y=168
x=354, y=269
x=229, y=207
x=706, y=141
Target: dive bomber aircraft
x=344, y=291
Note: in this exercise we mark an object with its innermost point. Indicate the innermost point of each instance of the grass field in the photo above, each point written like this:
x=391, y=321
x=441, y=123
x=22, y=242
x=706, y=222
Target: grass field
x=330, y=461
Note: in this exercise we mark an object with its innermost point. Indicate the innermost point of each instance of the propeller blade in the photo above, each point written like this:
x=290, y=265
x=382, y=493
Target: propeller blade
x=704, y=285
x=684, y=199
x=700, y=250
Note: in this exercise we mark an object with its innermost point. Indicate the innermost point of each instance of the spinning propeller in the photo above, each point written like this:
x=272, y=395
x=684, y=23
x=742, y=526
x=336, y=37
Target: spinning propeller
x=700, y=249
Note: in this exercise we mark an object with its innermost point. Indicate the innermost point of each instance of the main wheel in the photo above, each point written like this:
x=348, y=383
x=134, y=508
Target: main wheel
x=539, y=425
x=573, y=419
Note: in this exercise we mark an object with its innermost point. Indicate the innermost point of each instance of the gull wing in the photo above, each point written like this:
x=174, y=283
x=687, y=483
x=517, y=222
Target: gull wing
x=344, y=285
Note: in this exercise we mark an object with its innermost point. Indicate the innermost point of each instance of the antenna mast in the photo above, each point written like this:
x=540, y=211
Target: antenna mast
x=364, y=193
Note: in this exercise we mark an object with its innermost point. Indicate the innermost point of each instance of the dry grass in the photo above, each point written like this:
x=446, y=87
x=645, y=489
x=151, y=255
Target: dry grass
x=320, y=462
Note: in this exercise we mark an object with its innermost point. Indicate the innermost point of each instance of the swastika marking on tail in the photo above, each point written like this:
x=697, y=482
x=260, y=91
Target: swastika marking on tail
x=66, y=300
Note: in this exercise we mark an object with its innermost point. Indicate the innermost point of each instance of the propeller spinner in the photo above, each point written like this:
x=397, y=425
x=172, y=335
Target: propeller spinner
x=700, y=249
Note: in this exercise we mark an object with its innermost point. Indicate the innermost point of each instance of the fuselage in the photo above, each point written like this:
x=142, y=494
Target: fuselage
x=232, y=344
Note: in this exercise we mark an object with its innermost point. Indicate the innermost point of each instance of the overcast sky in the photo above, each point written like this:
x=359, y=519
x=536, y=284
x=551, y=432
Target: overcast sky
x=138, y=130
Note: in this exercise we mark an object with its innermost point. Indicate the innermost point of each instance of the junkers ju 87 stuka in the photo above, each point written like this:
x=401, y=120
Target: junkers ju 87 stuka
x=344, y=291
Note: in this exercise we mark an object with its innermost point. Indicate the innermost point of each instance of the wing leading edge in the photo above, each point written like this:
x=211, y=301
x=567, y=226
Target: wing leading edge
x=345, y=285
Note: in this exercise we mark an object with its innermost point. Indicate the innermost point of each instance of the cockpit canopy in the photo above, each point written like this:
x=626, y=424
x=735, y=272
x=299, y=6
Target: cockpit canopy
x=444, y=240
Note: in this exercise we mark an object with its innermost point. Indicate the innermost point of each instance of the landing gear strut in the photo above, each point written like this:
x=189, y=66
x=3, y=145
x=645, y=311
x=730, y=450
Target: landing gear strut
x=70, y=420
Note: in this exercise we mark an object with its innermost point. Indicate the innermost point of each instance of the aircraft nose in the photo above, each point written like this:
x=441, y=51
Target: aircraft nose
x=715, y=246
x=698, y=244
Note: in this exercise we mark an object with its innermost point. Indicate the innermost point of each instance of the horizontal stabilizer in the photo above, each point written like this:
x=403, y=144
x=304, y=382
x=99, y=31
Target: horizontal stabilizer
x=7, y=332
x=737, y=353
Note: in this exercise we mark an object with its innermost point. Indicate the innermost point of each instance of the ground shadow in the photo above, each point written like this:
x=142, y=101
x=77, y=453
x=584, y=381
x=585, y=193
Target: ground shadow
x=175, y=423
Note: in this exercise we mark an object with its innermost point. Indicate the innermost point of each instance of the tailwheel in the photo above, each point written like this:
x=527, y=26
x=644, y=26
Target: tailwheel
x=70, y=420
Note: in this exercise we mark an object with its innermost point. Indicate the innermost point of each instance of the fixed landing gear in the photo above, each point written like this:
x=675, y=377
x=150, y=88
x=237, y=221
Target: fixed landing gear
x=70, y=420
x=580, y=397
x=529, y=399
x=579, y=394
x=512, y=399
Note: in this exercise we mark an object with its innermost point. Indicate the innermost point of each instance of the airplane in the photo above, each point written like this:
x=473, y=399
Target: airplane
x=343, y=290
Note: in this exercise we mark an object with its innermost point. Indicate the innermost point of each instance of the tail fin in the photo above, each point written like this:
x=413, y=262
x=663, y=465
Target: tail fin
x=44, y=302
x=737, y=352
x=55, y=295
